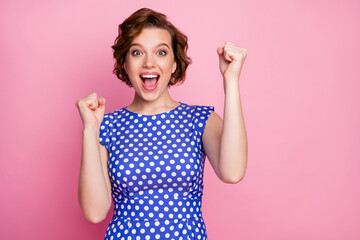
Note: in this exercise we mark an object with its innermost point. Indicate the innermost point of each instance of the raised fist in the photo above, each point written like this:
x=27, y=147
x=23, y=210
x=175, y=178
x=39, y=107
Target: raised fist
x=91, y=109
x=231, y=60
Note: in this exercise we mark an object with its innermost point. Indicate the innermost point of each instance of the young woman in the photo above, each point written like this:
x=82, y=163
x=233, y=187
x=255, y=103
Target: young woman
x=148, y=157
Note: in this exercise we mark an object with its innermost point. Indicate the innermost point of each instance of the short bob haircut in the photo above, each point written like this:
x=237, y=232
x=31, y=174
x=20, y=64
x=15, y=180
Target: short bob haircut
x=132, y=26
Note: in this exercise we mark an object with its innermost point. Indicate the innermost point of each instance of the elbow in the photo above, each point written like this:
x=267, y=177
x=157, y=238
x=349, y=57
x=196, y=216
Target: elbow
x=94, y=218
x=233, y=173
x=233, y=179
x=94, y=214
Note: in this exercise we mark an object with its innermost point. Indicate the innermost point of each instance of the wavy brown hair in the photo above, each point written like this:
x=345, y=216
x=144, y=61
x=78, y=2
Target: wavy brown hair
x=132, y=26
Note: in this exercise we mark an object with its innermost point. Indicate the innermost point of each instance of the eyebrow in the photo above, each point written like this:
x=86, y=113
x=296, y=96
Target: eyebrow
x=160, y=44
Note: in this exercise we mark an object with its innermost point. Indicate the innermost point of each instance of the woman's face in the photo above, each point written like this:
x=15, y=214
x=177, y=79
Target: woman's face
x=150, y=62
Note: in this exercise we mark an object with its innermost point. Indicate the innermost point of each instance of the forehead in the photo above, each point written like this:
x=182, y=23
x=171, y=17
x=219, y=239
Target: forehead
x=150, y=37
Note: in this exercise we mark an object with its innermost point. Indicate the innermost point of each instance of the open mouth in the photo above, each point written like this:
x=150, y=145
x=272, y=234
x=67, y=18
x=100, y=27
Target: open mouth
x=150, y=81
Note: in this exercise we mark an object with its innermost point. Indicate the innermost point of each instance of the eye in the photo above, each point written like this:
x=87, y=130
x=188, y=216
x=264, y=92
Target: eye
x=162, y=52
x=135, y=53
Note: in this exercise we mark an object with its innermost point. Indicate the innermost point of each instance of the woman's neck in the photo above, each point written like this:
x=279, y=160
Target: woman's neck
x=162, y=104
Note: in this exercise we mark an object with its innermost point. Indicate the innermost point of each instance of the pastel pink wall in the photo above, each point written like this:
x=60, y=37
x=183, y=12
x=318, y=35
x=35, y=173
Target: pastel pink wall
x=300, y=91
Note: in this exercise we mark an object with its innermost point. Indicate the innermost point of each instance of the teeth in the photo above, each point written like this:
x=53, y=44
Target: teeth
x=149, y=76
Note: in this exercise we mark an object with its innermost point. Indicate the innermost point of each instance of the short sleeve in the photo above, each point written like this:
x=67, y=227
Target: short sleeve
x=202, y=114
x=104, y=134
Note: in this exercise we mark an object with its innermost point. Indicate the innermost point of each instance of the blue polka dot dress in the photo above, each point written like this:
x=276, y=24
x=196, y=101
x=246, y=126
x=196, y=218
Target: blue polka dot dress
x=156, y=165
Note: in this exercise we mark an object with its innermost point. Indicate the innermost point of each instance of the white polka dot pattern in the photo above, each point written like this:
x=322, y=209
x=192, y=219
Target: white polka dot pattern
x=156, y=165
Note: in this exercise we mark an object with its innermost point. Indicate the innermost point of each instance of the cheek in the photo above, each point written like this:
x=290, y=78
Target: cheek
x=168, y=65
x=129, y=67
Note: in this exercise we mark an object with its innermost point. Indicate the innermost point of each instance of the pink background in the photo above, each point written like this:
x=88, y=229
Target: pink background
x=300, y=89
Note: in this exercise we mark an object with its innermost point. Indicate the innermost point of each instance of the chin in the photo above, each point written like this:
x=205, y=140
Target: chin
x=148, y=96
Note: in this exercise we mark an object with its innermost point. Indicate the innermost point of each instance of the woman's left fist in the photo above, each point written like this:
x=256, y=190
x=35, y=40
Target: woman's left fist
x=231, y=60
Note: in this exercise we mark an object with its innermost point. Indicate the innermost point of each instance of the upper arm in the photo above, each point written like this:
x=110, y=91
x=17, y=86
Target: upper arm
x=104, y=156
x=211, y=140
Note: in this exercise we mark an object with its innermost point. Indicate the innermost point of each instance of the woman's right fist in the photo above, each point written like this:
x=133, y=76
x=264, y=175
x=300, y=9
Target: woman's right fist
x=91, y=109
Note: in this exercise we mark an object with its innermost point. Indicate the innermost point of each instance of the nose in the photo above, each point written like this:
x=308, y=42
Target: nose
x=148, y=61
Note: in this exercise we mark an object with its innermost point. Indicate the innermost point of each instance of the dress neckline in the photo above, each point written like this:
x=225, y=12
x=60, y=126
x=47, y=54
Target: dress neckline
x=146, y=115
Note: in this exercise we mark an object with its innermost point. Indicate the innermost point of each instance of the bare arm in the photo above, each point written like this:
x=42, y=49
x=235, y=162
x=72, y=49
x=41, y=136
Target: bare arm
x=225, y=141
x=94, y=184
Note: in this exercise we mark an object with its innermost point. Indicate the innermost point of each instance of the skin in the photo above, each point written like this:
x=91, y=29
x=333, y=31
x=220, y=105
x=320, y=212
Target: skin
x=151, y=51
x=225, y=141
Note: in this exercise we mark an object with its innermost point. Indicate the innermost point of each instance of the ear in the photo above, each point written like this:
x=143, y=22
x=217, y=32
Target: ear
x=174, y=67
x=124, y=67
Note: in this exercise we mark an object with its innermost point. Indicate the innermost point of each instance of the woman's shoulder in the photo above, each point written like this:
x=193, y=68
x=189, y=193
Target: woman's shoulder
x=115, y=114
x=199, y=111
x=196, y=109
x=117, y=111
x=197, y=106
x=200, y=108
